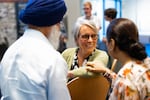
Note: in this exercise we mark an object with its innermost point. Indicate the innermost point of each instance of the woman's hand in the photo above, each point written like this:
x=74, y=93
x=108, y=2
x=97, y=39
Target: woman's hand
x=96, y=67
x=70, y=74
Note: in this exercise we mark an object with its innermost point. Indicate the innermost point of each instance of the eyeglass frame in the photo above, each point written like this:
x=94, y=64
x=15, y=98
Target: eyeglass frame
x=87, y=36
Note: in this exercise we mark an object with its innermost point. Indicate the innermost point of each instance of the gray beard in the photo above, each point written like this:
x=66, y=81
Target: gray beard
x=54, y=36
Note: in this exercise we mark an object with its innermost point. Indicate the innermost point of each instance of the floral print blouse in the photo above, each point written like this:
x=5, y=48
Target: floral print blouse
x=132, y=82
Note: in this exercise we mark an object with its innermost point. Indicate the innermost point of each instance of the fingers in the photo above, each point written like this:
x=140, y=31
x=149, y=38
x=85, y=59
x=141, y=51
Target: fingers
x=91, y=64
x=70, y=74
x=95, y=64
x=97, y=67
x=89, y=68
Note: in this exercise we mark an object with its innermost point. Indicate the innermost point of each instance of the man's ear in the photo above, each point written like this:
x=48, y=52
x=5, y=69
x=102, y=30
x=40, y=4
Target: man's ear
x=112, y=44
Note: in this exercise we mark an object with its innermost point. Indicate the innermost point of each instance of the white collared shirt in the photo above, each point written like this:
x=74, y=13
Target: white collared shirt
x=94, y=19
x=33, y=70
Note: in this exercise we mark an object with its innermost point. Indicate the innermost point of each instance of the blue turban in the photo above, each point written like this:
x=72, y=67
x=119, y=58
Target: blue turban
x=43, y=12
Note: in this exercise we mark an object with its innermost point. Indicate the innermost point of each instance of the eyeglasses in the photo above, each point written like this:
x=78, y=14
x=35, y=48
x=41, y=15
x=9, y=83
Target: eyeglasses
x=86, y=8
x=87, y=36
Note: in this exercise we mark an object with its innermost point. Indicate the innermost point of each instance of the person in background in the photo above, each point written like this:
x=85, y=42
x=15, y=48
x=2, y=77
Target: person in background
x=62, y=42
x=133, y=79
x=85, y=35
x=62, y=38
x=88, y=16
x=3, y=47
x=3, y=44
x=31, y=68
x=109, y=15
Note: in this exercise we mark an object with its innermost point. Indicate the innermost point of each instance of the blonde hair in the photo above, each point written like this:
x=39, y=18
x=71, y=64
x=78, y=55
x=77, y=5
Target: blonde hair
x=88, y=3
x=90, y=24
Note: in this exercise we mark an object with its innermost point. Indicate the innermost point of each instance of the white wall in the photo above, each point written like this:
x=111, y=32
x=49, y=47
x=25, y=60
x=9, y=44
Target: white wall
x=73, y=13
x=138, y=11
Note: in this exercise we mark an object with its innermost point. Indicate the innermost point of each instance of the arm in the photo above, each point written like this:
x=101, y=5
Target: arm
x=80, y=72
x=97, y=56
x=98, y=67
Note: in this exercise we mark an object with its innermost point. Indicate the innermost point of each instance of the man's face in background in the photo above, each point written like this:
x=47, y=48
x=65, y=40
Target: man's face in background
x=87, y=10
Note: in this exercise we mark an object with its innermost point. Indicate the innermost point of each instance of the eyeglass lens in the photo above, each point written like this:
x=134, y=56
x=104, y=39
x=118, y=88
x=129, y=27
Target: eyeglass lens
x=93, y=36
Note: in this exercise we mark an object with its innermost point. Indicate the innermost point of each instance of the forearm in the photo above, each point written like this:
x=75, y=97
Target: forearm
x=80, y=72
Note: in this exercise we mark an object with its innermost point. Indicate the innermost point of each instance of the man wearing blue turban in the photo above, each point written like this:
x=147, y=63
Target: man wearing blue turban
x=31, y=68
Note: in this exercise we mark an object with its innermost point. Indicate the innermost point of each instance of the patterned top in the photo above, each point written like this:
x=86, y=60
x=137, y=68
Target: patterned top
x=75, y=60
x=132, y=82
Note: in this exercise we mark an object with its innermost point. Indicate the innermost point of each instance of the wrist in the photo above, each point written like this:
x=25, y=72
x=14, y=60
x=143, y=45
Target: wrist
x=106, y=70
x=107, y=75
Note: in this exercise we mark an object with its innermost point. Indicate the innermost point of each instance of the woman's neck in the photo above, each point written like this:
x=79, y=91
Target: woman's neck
x=124, y=58
x=82, y=55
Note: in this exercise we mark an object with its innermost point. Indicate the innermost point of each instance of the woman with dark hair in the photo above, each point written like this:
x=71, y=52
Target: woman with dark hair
x=133, y=79
x=110, y=14
x=62, y=42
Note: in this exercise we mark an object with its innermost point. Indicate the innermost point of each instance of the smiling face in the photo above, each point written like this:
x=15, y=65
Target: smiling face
x=87, y=39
